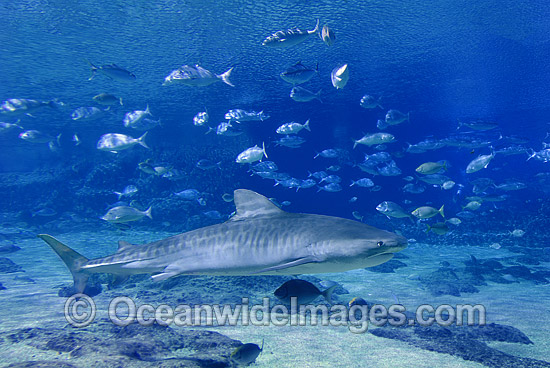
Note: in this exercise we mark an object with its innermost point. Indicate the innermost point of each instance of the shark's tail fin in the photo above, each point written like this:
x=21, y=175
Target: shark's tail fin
x=73, y=260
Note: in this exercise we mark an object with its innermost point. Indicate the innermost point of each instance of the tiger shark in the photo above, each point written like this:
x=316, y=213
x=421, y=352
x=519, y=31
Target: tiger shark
x=259, y=239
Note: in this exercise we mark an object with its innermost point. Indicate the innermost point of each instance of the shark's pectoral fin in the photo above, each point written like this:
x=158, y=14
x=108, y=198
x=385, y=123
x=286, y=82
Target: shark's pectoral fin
x=163, y=276
x=293, y=263
x=171, y=270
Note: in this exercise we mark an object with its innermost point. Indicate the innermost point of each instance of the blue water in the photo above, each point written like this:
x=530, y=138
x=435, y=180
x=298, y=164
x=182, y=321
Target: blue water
x=440, y=61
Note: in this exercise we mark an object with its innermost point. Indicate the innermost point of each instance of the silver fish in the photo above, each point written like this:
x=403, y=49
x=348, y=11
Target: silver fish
x=542, y=155
x=84, y=113
x=374, y=139
x=123, y=214
x=478, y=125
x=363, y=182
x=369, y=102
x=190, y=195
x=298, y=73
x=134, y=118
x=206, y=164
x=128, y=191
x=196, y=76
x=340, y=76
x=290, y=141
x=327, y=35
x=17, y=106
x=293, y=128
x=260, y=239
x=35, y=136
x=251, y=155
x=227, y=129
x=114, y=142
x=331, y=187
x=481, y=162
x=201, y=118
x=243, y=115
x=394, y=117
x=392, y=209
x=5, y=127
x=112, y=71
x=107, y=99
x=300, y=94
x=289, y=37
x=390, y=169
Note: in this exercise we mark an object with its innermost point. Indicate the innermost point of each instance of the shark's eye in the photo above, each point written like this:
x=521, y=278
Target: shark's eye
x=380, y=243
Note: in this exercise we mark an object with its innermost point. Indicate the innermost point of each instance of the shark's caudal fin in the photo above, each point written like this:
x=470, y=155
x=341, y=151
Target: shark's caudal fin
x=73, y=260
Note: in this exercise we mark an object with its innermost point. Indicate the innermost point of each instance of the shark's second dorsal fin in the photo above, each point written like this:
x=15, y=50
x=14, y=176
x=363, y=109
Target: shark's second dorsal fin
x=251, y=204
x=122, y=245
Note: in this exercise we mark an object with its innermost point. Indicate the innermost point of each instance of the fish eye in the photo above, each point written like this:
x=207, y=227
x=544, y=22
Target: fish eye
x=380, y=243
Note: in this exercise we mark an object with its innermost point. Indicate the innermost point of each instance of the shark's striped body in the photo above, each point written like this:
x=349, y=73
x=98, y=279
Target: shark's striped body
x=260, y=239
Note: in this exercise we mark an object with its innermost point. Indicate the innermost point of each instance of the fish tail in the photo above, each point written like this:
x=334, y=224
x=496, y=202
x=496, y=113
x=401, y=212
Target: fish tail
x=147, y=111
x=355, y=143
x=55, y=103
x=73, y=260
x=316, y=29
x=318, y=96
x=118, y=194
x=441, y=211
x=327, y=294
x=148, y=213
x=533, y=154
x=141, y=140
x=306, y=125
x=263, y=149
x=93, y=69
x=225, y=77
x=120, y=100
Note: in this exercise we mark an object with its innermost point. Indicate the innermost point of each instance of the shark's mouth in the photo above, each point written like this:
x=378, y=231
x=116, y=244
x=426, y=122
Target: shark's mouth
x=379, y=258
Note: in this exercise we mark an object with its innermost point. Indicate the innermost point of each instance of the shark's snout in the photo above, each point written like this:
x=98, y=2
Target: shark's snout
x=394, y=244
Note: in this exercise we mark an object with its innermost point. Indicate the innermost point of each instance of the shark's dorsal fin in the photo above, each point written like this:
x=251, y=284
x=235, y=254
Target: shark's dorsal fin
x=251, y=204
x=122, y=245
